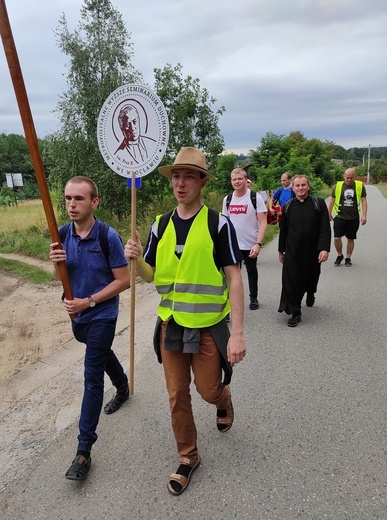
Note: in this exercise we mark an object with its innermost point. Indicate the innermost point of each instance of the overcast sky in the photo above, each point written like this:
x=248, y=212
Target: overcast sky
x=317, y=66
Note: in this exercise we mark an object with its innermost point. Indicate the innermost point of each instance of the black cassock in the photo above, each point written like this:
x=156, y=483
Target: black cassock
x=304, y=232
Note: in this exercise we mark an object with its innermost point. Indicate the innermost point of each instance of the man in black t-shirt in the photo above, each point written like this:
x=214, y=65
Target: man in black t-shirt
x=346, y=199
x=196, y=271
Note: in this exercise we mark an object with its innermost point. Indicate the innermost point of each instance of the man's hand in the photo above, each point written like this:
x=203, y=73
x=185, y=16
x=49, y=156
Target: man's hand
x=236, y=349
x=76, y=305
x=133, y=248
x=57, y=255
x=254, y=251
x=133, y=252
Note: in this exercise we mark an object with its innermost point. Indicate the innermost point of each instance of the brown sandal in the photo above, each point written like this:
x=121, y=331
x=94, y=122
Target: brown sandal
x=179, y=480
x=225, y=418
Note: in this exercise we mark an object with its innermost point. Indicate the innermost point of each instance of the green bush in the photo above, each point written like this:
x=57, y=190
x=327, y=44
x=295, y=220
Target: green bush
x=7, y=197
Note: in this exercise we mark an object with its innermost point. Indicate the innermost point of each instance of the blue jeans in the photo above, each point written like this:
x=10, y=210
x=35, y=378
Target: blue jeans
x=98, y=336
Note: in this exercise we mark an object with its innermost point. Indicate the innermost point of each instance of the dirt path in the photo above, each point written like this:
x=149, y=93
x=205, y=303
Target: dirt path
x=32, y=322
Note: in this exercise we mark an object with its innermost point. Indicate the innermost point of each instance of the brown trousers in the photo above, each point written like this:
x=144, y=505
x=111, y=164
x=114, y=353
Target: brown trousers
x=206, y=368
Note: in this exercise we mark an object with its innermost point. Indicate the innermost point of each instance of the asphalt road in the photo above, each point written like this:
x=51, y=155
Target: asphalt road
x=309, y=438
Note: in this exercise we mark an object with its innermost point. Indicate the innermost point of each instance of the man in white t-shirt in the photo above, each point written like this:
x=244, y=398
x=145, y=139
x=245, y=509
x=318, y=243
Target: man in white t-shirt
x=250, y=225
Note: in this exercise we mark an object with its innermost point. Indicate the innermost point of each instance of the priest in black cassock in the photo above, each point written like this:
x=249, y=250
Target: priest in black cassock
x=304, y=243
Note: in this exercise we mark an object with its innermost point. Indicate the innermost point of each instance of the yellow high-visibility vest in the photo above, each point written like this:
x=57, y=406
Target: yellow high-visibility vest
x=339, y=186
x=192, y=289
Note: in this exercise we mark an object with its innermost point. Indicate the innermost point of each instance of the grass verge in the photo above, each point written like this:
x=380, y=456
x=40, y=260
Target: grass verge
x=30, y=273
x=382, y=187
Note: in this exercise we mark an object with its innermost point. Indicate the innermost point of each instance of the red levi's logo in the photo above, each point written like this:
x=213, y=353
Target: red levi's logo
x=240, y=209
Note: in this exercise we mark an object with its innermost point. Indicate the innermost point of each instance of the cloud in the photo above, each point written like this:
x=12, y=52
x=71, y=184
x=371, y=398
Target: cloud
x=316, y=66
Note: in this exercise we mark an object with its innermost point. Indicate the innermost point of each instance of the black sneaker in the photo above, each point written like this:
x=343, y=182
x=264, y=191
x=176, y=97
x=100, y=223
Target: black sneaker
x=310, y=299
x=294, y=320
x=338, y=260
x=348, y=262
x=253, y=304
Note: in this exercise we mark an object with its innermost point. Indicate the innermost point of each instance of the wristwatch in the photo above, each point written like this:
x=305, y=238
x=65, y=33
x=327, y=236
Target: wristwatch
x=259, y=244
x=91, y=302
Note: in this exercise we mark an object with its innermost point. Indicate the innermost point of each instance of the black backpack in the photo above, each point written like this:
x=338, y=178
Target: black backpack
x=103, y=236
x=253, y=198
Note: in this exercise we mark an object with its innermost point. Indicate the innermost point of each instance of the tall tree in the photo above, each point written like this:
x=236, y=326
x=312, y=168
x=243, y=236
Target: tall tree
x=15, y=156
x=100, y=54
x=192, y=117
x=319, y=153
x=270, y=159
x=224, y=168
x=272, y=147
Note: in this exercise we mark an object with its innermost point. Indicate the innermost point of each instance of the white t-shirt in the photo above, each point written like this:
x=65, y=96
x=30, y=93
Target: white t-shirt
x=244, y=218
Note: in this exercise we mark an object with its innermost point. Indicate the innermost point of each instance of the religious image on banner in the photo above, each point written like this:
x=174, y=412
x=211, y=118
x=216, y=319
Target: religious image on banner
x=134, y=142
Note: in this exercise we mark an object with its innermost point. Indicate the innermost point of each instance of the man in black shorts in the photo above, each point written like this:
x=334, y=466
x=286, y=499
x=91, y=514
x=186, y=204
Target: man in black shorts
x=344, y=207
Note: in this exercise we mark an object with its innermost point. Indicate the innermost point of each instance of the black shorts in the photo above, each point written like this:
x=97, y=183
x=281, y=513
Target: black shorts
x=347, y=228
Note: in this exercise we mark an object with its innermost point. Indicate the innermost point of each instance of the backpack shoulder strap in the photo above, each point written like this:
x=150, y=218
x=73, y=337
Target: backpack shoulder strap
x=253, y=197
x=163, y=222
x=213, y=223
x=287, y=206
x=63, y=230
x=316, y=204
x=228, y=200
x=103, y=239
x=278, y=196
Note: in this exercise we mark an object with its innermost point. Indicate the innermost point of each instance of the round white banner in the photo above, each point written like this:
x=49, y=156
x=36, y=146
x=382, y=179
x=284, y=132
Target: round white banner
x=133, y=130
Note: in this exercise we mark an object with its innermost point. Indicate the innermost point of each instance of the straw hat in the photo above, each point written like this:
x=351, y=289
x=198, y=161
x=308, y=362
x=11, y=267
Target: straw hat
x=188, y=157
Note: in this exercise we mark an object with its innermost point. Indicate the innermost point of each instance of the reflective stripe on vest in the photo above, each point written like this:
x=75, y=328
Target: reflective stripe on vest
x=187, y=287
x=338, y=191
x=193, y=290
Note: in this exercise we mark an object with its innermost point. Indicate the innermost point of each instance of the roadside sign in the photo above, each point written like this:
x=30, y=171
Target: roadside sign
x=14, y=180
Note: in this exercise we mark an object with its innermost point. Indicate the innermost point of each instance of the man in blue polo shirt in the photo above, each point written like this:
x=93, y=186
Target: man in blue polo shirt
x=97, y=276
x=281, y=194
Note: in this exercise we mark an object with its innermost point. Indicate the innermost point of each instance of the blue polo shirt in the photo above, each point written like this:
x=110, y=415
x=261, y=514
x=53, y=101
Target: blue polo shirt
x=89, y=271
x=284, y=195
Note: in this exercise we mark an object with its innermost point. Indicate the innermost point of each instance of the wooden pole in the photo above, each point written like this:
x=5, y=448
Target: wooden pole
x=32, y=140
x=132, y=286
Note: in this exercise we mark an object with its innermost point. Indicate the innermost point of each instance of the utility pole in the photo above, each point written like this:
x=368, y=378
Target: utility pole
x=369, y=161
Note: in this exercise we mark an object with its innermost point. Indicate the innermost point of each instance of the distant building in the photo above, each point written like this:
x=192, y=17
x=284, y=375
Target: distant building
x=338, y=161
